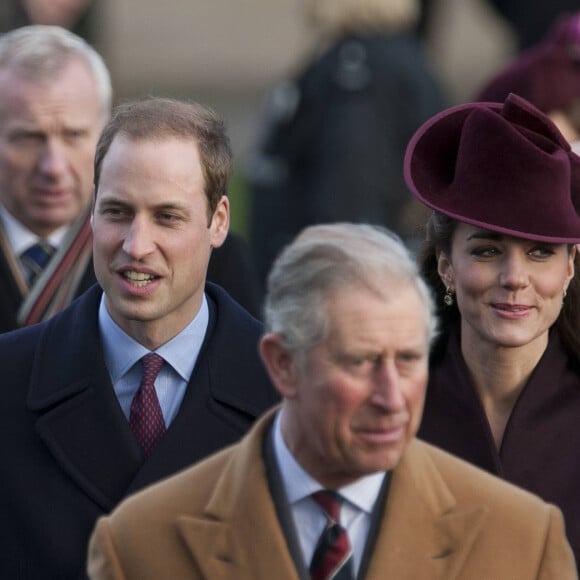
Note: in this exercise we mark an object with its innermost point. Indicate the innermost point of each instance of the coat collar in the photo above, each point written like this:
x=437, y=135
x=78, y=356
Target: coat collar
x=422, y=535
x=81, y=422
x=239, y=516
x=77, y=414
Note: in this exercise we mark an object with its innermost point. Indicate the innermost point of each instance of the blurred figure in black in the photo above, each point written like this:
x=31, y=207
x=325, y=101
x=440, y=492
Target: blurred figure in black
x=334, y=137
x=530, y=19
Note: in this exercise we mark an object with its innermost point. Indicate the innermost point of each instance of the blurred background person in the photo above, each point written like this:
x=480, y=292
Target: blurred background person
x=333, y=137
x=548, y=75
x=55, y=96
x=500, y=255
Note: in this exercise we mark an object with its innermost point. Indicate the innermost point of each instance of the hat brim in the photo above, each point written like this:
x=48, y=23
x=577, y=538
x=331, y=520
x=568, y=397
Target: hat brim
x=430, y=172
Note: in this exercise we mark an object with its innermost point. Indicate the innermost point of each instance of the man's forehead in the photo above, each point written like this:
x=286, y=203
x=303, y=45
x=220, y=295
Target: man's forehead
x=363, y=315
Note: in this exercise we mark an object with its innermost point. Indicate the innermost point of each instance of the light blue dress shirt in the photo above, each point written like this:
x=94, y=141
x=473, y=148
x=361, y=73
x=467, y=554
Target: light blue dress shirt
x=122, y=354
x=309, y=519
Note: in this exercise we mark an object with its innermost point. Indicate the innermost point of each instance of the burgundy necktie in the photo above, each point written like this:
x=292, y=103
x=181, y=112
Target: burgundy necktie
x=146, y=419
x=332, y=557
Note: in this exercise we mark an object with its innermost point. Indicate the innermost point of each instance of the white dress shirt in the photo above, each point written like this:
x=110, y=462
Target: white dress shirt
x=123, y=353
x=309, y=519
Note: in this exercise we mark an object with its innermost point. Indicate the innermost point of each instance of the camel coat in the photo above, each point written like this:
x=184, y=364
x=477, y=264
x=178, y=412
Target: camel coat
x=443, y=520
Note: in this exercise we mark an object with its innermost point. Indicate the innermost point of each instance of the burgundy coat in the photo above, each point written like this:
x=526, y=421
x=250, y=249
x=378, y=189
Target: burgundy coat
x=540, y=450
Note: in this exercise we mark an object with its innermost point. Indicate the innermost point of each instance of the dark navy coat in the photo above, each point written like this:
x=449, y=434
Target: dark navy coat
x=67, y=452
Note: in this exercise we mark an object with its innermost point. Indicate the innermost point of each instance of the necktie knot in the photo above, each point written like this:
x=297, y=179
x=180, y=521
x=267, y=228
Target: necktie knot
x=146, y=418
x=330, y=502
x=151, y=364
x=37, y=257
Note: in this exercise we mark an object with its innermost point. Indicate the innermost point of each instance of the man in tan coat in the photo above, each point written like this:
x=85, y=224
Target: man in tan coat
x=333, y=484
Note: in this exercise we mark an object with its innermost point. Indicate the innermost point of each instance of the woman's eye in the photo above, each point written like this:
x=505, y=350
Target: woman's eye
x=542, y=252
x=485, y=252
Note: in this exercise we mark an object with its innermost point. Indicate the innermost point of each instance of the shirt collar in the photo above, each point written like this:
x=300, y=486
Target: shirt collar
x=21, y=238
x=121, y=351
x=299, y=484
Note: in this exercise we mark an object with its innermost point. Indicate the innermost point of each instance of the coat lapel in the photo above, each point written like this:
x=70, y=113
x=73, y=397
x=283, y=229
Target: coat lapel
x=423, y=533
x=78, y=416
x=240, y=521
x=83, y=426
x=228, y=391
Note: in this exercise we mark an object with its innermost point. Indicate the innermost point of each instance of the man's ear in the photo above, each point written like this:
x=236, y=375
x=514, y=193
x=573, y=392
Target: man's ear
x=220, y=222
x=280, y=364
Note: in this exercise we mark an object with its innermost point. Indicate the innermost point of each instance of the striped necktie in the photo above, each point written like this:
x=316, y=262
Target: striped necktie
x=332, y=557
x=36, y=258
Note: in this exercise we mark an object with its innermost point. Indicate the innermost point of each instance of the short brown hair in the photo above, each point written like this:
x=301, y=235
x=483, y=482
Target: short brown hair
x=157, y=118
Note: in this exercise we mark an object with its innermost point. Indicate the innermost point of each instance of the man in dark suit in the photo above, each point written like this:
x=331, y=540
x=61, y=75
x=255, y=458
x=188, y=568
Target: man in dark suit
x=334, y=484
x=85, y=421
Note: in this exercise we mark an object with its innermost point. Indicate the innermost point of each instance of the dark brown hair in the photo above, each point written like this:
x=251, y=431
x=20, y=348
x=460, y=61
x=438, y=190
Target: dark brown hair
x=158, y=118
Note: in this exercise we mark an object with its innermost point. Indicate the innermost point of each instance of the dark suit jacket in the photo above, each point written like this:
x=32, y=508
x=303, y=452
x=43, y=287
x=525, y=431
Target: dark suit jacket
x=230, y=266
x=443, y=520
x=67, y=452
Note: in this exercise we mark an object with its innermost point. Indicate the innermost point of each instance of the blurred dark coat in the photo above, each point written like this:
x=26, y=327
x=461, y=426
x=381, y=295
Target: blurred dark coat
x=67, y=452
x=539, y=450
x=531, y=19
x=334, y=140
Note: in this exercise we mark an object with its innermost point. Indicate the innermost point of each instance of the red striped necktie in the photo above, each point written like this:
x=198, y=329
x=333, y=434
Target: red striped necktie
x=332, y=557
x=146, y=419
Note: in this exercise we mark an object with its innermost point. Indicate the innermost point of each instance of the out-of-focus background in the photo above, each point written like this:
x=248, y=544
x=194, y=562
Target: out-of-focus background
x=229, y=53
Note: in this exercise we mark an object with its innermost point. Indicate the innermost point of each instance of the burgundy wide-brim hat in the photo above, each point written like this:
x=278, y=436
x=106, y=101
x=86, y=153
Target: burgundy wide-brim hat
x=504, y=167
x=547, y=74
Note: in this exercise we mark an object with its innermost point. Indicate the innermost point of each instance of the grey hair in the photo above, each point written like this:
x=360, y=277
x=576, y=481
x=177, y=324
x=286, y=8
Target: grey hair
x=324, y=258
x=40, y=52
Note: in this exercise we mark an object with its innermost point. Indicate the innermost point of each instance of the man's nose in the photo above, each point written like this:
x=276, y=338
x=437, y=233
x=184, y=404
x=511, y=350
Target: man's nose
x=138, y=241
x=387, y=391
x=53, y=158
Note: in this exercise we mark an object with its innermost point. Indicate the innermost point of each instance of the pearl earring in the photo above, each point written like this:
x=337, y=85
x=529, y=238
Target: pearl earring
x=448, y=298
